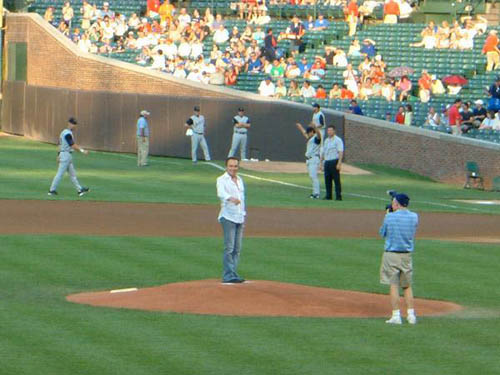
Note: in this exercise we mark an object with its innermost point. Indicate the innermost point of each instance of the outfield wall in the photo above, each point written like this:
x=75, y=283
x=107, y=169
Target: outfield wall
x=108, y=120
x=106, y=96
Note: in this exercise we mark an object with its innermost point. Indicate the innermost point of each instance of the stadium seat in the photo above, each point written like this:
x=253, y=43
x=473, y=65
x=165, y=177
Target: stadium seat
x=473, y=178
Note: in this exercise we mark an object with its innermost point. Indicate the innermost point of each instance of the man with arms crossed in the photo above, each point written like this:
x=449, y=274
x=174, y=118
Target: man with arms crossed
x=331, y=162
x=313, y=136
x=66, y=146
x=231, y=192
x=396, y=270
x=197, y=125
x=241, y=125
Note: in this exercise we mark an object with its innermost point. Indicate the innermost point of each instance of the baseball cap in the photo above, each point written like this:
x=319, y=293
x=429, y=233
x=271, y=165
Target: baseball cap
x=241, y=109
x=73, y=121
x=402, y=199
x=145, y=113
x=315, y=105
x=479, y=102
x=196, y=108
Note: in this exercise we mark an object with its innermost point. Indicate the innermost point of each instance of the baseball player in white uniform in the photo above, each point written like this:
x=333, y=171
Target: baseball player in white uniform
x=241, y=125
x=197, y=125
x=318, y=119
x=313, y=136
x=66, y=147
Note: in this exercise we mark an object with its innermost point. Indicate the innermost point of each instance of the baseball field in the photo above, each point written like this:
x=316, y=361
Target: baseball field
x=149, y=227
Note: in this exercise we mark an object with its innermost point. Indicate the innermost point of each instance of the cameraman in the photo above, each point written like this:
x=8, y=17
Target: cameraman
x=399, y=229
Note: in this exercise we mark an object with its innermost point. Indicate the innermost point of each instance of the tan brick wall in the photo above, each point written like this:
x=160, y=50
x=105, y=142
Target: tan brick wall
x=439, y=156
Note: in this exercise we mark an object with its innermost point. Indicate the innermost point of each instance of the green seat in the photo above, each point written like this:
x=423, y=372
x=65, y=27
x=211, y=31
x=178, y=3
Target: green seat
x=496, y=184
x=473, y=177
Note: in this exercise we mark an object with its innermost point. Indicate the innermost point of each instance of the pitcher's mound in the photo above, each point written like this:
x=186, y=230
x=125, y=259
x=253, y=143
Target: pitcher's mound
x=255, y=298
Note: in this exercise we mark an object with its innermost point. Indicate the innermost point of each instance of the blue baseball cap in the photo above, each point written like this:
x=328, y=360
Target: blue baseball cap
x=402, y=199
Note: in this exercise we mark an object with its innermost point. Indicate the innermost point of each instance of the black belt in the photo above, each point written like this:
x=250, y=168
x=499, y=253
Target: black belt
x=198, y=133
x=315, y=156
x=398, y=252
x=241, y=132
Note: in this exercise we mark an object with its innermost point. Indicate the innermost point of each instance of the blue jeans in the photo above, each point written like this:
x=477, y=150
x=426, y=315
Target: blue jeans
x=233, y=234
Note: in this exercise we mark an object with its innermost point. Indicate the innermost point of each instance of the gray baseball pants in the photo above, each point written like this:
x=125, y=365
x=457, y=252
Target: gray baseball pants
x=199, y=140
x=239, y=140
x=65, y=164
x=312, y=168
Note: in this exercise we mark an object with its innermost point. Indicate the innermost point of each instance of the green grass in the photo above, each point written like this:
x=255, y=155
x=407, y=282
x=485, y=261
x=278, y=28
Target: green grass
x=28, y=168
x=44, y=334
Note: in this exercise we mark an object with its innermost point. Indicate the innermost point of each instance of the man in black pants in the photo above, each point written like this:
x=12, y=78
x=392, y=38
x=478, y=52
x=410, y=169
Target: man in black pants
x=331, y=162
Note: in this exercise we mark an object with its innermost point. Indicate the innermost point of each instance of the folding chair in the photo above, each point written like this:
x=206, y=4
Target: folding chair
x=473, y=178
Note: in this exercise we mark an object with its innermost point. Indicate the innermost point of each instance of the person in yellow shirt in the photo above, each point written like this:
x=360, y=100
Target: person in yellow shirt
x=166, y=11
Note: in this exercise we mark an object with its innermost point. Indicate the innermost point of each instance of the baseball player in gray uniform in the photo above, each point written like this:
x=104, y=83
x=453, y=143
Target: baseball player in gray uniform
x=313, y=136
x=241, y=124
x=197, y=124
x=318, y=119
x=66, y=147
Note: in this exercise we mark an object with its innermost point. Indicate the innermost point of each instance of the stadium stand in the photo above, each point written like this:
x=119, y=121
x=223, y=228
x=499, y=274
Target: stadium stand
x=390, y=46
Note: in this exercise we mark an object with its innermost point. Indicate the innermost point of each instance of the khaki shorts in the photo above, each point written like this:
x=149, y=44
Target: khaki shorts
x=396, y=269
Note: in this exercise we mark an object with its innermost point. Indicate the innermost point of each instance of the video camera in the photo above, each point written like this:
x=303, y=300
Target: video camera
x=392, y=194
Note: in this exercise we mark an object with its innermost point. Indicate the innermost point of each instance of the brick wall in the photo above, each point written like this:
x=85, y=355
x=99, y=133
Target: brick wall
x=439, y=156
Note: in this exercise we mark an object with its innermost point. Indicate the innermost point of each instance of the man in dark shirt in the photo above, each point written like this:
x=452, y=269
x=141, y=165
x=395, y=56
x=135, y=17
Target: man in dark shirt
x=466, y=114
x=494, y=93
x=270, y=45
x=355, y=109
x=254, y=65
x=295, y=32
x=478, y=114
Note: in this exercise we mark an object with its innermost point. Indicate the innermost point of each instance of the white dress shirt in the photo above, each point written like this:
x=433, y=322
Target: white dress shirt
x=227, y=188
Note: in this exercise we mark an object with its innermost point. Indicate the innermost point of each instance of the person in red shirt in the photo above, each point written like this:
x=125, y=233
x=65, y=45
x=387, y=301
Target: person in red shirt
x=400, y=116
x=351, y=13
x=320, y=92
x=345, y=93
x=491, y=50
x=153, y=7
x=391, y=12
x=454, y=117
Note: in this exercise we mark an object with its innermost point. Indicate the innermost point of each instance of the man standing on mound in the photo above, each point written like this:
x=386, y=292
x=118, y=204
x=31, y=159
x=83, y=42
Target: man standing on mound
x=231, y=192
x=396, y=270
x=65, y=159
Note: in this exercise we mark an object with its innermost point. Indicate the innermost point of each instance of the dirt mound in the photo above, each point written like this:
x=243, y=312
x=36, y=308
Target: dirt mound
x=294, y=167
x=256, y=298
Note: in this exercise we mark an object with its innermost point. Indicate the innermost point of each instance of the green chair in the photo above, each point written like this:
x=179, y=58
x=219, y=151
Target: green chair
x=473, y=177
x=496, y=184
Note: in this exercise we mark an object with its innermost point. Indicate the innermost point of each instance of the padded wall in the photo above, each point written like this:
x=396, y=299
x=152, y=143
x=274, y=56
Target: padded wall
x=108, y=121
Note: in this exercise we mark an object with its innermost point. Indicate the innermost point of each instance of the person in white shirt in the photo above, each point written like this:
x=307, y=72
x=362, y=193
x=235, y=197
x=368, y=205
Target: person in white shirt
x=221, y=35
x=158, y=61
x=194, y=75
x=266, y=87
x=196, y=49
x=184, y=49
x=179, y=72
x=340, y=58
x=231, y=192
x=307, y=91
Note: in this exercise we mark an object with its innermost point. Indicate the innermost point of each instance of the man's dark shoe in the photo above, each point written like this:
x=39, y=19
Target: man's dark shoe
x=338, y=199
x=52, y=192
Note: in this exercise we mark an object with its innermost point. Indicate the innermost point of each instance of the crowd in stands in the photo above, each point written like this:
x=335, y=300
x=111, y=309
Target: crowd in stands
x=173, y=40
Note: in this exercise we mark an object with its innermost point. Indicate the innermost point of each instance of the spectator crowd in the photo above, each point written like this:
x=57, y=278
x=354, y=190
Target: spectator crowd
x=173, y=41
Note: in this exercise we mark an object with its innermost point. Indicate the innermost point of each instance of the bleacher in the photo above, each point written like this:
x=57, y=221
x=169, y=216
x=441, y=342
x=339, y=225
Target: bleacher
x=392, y=42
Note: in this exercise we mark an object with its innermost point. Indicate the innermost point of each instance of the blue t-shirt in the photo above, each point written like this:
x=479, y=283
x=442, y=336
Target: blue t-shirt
x=356, y=110
x=142, y=123
x=399, y=229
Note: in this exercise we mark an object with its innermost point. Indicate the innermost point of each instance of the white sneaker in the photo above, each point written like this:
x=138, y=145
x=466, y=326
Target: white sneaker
x=412, y=319
x=394, y=320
